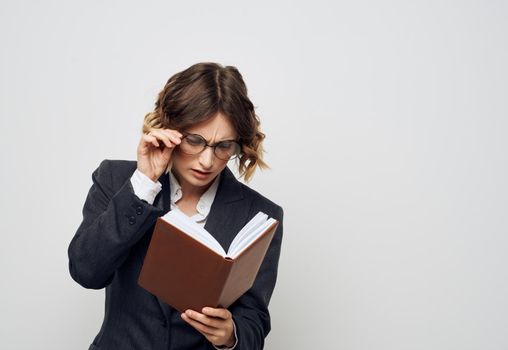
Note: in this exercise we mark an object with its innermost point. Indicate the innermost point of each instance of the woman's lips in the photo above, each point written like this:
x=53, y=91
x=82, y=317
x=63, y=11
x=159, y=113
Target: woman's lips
x=200, y=174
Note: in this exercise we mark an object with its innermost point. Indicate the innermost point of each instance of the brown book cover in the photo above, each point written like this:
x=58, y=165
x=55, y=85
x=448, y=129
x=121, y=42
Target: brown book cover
x=186, y=274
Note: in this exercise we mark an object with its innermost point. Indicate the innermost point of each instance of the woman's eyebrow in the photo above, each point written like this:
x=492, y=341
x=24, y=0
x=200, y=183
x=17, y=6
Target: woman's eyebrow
x=220, y=140
x=227, y=139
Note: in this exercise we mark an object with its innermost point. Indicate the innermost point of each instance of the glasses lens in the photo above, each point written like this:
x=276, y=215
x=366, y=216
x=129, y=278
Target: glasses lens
x=192, y=144
x=227, y=150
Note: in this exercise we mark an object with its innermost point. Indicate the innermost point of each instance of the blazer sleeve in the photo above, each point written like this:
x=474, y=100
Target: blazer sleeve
x=250, y=311
x=113, y=221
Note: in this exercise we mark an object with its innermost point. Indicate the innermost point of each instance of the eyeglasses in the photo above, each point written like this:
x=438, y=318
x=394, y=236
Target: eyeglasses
x=194, y=144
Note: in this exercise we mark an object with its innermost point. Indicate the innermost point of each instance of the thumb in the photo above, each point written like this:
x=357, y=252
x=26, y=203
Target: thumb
x=166, y=152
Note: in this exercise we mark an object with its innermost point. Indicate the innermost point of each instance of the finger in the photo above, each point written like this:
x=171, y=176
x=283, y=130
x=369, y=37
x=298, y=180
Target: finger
x=174, y=135
x=217, y=312
x=176, y=140
x=203, y=319
x=150, y=139
x=175, y=132
x=207, y=330
x=169, y=134
x=167, y=152
x=162, y=137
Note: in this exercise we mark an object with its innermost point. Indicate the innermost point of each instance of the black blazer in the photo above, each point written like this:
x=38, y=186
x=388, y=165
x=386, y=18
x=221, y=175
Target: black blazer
x=111, y=242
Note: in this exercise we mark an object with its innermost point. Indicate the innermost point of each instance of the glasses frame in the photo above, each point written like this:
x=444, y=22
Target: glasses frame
x=185, y=134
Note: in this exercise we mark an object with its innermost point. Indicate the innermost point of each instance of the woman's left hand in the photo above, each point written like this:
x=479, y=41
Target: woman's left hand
x=215, y=324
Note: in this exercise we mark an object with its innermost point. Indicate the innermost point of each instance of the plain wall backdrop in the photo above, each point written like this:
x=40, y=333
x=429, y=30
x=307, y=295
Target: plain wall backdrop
x=386, y=127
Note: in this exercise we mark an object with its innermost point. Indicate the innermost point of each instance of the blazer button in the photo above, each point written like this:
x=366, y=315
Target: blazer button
x=132, y=220
x=139, y=210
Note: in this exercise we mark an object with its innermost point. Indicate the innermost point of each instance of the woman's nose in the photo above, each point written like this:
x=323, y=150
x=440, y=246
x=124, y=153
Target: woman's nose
x=206, y=158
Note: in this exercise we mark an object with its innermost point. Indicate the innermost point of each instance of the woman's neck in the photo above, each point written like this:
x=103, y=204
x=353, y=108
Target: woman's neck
x=189, y=191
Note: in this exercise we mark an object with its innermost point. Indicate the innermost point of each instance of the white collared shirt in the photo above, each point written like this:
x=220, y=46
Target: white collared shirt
x=205, y=201
x=146, y=189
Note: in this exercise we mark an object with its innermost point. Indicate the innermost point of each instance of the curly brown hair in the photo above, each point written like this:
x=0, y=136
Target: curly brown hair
x=199, y=93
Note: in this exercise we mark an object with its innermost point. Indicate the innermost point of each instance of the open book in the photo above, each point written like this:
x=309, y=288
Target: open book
x=187, y=268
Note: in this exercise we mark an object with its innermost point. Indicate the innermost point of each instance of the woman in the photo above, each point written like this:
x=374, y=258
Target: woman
x=202, y=119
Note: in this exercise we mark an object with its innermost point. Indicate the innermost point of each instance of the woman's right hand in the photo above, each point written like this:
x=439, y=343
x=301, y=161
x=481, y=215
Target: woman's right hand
x=154, y=151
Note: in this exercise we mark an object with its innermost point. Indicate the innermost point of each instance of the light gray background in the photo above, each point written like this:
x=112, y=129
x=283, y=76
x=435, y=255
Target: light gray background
x=386, y=129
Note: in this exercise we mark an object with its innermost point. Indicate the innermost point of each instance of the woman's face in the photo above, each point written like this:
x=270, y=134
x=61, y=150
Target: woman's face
x=199, y=170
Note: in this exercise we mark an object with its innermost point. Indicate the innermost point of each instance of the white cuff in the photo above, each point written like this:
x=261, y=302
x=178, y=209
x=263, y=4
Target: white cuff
x=236, y=340
x=144, y=187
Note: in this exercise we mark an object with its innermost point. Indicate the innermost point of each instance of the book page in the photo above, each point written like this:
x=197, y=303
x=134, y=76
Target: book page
x=253, y=229
x=254, y=222
x=191, y=228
